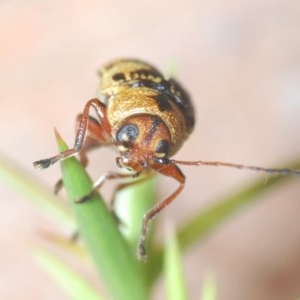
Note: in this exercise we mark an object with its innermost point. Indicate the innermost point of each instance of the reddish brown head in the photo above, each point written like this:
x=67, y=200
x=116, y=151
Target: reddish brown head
x=141, y=141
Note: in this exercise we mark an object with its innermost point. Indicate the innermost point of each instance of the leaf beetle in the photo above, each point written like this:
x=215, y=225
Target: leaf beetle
x=147, y=118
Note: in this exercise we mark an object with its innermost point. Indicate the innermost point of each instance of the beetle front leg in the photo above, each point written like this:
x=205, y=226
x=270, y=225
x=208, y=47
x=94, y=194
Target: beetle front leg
x=80, y=135
x=169, y=169
x=96, y=137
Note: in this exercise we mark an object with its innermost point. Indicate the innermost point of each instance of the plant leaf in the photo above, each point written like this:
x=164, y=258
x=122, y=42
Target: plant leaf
x=209, y=290
x=115, y=261
x=131, y=205
x=173, y=271
x=40, y=196
x=197, y=227
x=74, y=286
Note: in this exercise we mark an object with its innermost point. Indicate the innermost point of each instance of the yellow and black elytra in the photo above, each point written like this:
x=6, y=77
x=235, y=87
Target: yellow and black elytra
x=147, y=118
x=131, y=88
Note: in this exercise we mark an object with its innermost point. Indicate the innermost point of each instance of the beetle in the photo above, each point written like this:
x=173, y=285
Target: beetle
x=147, y=118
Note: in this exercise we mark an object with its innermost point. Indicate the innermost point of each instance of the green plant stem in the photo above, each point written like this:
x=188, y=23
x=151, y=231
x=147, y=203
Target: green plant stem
x=73, y=284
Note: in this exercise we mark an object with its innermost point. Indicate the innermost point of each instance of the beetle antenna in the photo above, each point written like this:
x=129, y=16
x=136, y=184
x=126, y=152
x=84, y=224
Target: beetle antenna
x=272, y=171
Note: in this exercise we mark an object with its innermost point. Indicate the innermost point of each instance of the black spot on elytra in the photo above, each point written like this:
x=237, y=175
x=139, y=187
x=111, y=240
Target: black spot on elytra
x=162, y=101
x=183, y=100
x=118, y=77
x=170, y=91
x=163, y=88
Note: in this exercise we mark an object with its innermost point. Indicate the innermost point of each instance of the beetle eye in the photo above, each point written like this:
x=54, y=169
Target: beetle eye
x=162, y=148
x=127, y=133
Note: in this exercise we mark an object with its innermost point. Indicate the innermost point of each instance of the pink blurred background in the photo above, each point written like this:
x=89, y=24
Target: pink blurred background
x=240, y=61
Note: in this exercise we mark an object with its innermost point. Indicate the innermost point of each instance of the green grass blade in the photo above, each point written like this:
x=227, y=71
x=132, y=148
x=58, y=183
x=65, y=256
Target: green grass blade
x=200, y=225
x=175, y=284
x=116, y=263
x=74, y=286
x=131, y=204
x=22, y=182
x=209, y=291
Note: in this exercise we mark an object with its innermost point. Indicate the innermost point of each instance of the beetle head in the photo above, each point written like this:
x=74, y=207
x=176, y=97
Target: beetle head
x=141, y=140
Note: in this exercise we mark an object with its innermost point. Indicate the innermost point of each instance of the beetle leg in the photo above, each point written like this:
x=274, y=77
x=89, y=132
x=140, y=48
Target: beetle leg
x=169, y=169
x=95, y=137
x=99, y=183
x=81, y=133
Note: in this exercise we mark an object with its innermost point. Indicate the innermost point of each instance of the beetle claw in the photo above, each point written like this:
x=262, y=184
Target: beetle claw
x=141, y=252
x=43, y=164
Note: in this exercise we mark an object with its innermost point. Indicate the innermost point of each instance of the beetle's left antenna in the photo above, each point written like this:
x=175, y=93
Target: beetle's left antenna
x=272, y=171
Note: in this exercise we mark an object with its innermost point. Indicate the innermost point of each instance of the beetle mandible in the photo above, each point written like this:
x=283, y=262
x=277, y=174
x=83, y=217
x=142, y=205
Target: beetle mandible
x=147, y=118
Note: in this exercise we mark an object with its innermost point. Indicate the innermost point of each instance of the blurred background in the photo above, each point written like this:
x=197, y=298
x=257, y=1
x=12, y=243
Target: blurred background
x=240, y=61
